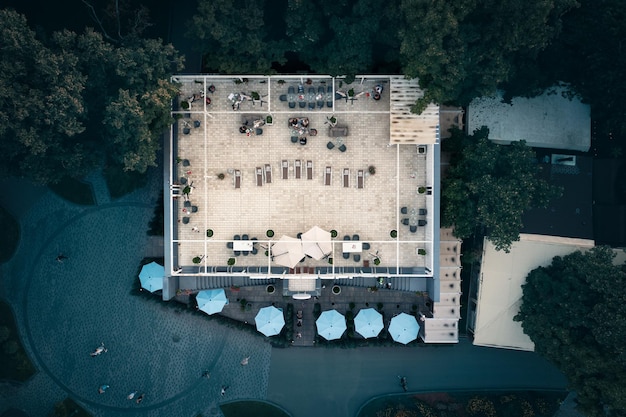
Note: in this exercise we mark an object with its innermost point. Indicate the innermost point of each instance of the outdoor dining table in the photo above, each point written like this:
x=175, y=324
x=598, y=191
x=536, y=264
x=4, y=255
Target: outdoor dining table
x=242, y=245
x=352, y=246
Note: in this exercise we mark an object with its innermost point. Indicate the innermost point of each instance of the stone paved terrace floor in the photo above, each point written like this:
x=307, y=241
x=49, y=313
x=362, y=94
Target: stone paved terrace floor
x=291, y=206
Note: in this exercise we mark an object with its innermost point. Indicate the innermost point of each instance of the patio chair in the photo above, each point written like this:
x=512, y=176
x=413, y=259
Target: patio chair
x=237, y=253
x=346, y=255
x=258, y=131
x=360, y=179
x=186, y=162
x=245, y=253
x=346, y=237
x=245, y=237
x=357, y=257
x=298, y=168
x=413, y=229
x=237, y=179
x=309, y=170
x=185, y=220
x=292, y=104
x=311, y=105
x=405, y=222
x=182, y=180
x=346, y=178
x=355, y=237
x=187, y=203
x=422, y=212
x=254, y=251
x=328, y=176
x=342, y=148
x=284, y=169
x=404, y=210
x=291, y=90
x=268, y=174
x=196, y=123
x=302, y=104
x=330, y=145
x=294, y=139
x=366, y=246
x=283, y=97
x=421, y=222
x=229, y=245
x=194, y=209
x=259, y=176
x=236, y=237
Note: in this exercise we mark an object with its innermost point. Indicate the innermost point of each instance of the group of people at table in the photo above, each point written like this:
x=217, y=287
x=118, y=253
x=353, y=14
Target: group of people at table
x=299, y=127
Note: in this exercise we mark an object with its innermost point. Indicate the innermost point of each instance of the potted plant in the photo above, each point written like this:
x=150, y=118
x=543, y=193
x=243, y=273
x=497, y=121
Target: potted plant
x=234, y=288
x=333, y=233
x=270, y=289
x=179, y=160
x=196, y=260
x=269, y=120
x=393, y=234
x=231, y=261
x=421, y=190
x=332, y=121
x=336, y=289
x=221, y=176
x=184, y=105
x=421, y=251
x=269, y=233
x=330, y=261
x=376, y=261
x=187, y=190
x=209, y=232
x=371, y=169
x=255, y=95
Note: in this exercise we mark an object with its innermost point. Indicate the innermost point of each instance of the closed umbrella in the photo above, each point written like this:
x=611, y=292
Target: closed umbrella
x=331, y=325
x=151, y=277
x=269, y=321
x=368, y=323
x=211, y=301
x=287, y=251
x=316, y=243
x=403, y=328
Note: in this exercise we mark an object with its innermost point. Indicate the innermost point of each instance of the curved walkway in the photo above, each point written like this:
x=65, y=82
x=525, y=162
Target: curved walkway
x=67, y=309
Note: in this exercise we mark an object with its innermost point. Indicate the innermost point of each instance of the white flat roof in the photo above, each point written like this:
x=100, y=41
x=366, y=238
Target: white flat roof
x=500, y=290
x=551, y=120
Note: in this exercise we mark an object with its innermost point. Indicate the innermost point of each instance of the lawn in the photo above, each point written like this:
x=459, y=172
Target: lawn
x=467, y=404
x=252, y=408
x=14, y=364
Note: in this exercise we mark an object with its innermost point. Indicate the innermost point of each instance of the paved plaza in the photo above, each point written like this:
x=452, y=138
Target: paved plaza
x=67, y=309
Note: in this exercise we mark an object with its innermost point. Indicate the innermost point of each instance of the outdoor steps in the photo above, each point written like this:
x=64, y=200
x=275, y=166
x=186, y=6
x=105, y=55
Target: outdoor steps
x=209, y=282
x=410, y=284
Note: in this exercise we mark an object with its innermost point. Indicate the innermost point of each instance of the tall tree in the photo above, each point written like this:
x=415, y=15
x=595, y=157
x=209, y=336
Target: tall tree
x=464, y=49
x=489, y=187
x=575, y=312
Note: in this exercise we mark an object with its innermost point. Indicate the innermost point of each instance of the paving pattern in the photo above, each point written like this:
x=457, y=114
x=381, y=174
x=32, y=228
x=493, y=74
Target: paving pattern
x=68, y=308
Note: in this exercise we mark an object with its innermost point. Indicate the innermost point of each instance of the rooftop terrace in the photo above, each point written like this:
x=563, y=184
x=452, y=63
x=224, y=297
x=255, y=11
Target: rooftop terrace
x=356, y=129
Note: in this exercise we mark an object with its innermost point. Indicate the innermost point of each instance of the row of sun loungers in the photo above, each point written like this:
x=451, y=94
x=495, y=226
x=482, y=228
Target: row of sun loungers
x=264, y=174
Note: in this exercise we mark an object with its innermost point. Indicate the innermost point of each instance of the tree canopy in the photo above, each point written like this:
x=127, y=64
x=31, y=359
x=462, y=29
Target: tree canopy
x=574, y=310
x=69, y=101
x=488, y=187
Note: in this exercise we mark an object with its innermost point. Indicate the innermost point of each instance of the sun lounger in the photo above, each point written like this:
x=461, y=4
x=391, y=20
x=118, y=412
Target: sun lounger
x=320, y=96
x=360, y=179
x=309, y=170
x=285, y=169
x=298, y=168
x=328, y=176
x=268, y=174
x=329, y=96
x=346, y=178
x=237, y=179
x=259, y=176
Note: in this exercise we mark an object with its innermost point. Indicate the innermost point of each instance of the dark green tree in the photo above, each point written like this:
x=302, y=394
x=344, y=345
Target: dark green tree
x=489, y=187
x=465, y=49
x=574, y=310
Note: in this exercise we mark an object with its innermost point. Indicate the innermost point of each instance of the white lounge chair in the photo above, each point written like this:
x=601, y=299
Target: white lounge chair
x=285, y=169
x=298, y=169
x=268, y=174
x=346, y=178
x=360, y=179
x=237, y=179
x=328, y=176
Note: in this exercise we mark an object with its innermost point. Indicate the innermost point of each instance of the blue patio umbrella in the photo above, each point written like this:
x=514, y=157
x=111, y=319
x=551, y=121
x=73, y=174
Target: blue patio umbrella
x=403, y=328
x=151, y=277
x=269, y=321
x=211, y=301
x=368, y=323
x=331, y=325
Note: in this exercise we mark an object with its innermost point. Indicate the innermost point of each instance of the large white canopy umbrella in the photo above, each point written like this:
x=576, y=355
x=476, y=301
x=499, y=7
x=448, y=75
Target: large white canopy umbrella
x=287, y=251
x=368, y=323
x=316, y=243
x=211, y=301
x=269, y=321
x=151, y=277
x=331, y=325
x=403, y=328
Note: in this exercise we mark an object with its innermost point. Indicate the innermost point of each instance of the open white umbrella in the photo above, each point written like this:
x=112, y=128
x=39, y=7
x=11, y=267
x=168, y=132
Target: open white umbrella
x=403, y=328
x=287, y=251
x=269, y=321
x=151, y=277
x=316, y=243
x=211, y=301
x=368, y=323
x=331, y=325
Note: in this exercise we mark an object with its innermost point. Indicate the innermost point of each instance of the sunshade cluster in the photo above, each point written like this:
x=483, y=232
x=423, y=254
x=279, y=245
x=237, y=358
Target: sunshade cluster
x=288, y=251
